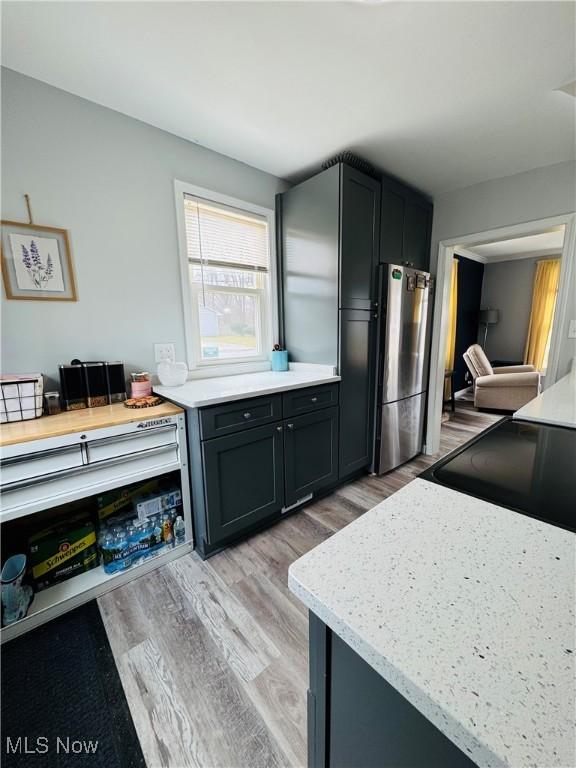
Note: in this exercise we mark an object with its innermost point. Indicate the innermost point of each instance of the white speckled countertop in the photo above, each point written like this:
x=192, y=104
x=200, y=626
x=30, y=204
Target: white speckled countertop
x=467, y=609
x=556, y=405
x=224, y=389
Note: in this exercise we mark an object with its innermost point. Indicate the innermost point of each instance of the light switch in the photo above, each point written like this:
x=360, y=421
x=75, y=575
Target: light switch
x=572, y=329
x=164, y=353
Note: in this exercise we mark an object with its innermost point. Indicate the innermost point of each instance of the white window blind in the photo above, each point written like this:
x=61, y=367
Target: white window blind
x=228, y=255
x=220, y=236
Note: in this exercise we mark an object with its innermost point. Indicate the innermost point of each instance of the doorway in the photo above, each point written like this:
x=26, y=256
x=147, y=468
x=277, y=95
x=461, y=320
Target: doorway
x=493, y=247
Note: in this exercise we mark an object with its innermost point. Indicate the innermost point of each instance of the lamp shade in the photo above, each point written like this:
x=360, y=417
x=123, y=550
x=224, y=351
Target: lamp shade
x=489, y=316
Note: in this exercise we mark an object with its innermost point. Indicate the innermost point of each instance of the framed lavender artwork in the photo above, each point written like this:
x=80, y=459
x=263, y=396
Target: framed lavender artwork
x=36, y=263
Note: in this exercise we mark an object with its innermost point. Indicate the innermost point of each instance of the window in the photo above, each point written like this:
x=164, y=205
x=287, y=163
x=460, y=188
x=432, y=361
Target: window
x=228, y=274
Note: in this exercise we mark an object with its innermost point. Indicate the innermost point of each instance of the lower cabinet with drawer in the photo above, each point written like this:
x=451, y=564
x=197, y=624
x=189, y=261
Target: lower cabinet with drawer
x=251, y=475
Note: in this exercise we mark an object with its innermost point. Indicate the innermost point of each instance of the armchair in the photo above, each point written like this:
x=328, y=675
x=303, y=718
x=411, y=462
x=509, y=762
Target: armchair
x=504, y=389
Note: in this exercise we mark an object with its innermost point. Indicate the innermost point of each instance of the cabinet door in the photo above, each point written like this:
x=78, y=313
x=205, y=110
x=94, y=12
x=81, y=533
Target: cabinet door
x=359, y=238
x=417, y=224
x=356, y=390
x=311, y=453
x=391, y=227
x=244, y=480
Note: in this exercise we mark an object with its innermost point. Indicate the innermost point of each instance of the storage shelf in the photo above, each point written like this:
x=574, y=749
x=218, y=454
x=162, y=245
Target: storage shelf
x=79, y=589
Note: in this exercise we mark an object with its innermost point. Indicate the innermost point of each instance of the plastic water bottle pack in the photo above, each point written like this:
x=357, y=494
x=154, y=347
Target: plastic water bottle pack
x=124, y=542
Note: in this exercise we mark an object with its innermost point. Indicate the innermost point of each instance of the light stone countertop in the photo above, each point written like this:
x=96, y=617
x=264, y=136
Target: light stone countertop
x=467, y=609
x=223, y=389
x=556, y=405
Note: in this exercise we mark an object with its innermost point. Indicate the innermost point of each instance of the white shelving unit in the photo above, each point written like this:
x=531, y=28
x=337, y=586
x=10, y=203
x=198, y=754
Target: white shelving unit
x=73, y=592
x=79, y=462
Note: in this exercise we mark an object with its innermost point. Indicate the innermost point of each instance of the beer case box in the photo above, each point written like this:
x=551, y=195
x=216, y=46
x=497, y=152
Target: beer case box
x=119, y=499
x=63, y=550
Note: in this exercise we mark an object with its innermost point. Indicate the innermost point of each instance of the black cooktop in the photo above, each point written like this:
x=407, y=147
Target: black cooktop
x=528, y=467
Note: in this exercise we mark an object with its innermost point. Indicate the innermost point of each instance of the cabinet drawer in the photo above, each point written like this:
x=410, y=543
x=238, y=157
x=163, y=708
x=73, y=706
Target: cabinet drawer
x=232, y=417
x=126, y=445
x=310, y=399
x=56, y=488
x=32, y=465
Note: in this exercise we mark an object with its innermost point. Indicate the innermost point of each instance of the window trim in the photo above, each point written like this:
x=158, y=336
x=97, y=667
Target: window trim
x=202, y=369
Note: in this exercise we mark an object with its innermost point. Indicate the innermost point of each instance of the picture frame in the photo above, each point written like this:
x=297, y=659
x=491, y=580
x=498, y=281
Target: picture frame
x=36, y=262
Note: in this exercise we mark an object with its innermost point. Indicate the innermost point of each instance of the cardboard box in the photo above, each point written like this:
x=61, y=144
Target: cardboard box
x=122, y=498
x=156, y=504
x=63, y=550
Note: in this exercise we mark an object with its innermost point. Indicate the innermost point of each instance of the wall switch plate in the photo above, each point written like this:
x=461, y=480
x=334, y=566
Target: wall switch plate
x=164, y=353
x=572, y=329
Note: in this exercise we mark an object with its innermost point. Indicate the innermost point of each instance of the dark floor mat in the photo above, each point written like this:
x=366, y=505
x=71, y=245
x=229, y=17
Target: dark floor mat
x=60, y=691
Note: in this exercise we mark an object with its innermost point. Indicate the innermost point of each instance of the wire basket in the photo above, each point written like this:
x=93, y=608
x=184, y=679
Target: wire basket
x=21, y=397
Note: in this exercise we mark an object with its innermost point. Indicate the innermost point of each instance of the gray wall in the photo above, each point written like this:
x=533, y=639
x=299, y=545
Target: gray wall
x=108, y=179
x=536, y=194
x=507, y=286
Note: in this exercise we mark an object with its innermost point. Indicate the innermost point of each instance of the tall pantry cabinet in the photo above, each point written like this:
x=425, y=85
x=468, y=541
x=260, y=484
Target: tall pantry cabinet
x=329, y=232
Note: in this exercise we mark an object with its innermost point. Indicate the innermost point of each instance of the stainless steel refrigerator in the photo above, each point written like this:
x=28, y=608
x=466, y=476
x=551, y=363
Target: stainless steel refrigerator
x=402, y=364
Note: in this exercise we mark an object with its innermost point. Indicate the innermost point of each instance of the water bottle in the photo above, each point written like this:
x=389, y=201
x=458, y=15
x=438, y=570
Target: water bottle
x=167, y=534
x=107, y=550
x=116, y=530
x=179, y=531
x=121, y=555
x=138, y=543
x=102, y=534
x=156, y=540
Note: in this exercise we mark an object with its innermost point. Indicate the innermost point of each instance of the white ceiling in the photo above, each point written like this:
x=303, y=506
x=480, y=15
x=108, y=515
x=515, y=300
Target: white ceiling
x=547, y=243
x=442, y=95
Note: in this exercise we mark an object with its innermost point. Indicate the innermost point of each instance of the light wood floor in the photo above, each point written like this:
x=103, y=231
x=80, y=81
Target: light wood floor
x=213, y=655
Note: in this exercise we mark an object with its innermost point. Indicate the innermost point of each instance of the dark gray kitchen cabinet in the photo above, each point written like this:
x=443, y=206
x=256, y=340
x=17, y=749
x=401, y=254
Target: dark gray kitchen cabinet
x=299, y=401
x=244, y=477
x=391, y=226
x=357, y=330
x=329, y=238
x=356, y=718
x=247, y=470
x=405, y=225
x=309, y=232
x=310, y=453
x=220, y=420
x=359, y=234
x=416, y=242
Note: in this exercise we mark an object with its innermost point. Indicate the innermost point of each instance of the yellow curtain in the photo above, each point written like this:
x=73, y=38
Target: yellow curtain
x=542, y=313
x=452, y=315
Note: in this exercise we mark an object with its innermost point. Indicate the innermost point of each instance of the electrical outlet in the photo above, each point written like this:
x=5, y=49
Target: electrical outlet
x=572, y=329
x=164, y=353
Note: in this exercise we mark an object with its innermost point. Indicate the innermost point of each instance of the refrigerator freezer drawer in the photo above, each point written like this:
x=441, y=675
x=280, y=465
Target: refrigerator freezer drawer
x=401, y=432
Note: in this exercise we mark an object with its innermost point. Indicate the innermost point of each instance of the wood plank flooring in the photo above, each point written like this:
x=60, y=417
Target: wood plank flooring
x=213, y=655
